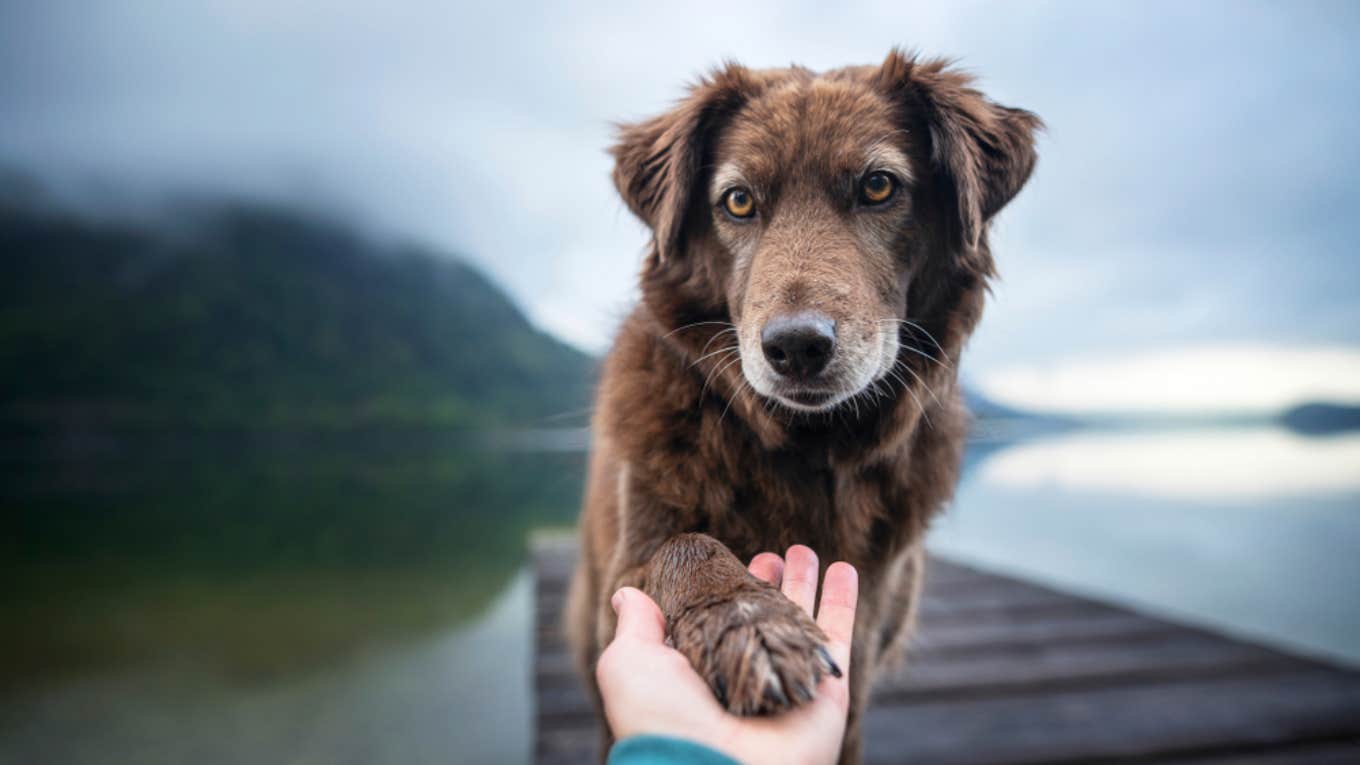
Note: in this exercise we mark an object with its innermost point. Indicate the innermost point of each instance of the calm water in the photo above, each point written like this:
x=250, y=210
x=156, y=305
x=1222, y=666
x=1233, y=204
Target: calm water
x=294, y=600
x=260, y=603
x=1251, y=530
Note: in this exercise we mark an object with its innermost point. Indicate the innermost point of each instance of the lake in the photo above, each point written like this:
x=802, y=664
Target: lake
x=363, y=598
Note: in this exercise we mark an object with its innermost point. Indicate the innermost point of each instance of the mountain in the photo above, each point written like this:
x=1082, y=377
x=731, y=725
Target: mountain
x=983, y=408
x=247, y=316
x=995, y=422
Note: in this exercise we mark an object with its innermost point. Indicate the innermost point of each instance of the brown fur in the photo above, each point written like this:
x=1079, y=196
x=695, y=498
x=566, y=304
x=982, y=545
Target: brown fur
x=684, y=442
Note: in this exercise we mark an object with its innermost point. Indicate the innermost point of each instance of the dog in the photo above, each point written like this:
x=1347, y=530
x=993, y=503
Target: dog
x=819, y=256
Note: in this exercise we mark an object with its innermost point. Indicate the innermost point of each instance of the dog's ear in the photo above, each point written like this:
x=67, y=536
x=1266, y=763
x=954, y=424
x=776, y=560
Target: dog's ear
x=983, y=151
x=658, y=162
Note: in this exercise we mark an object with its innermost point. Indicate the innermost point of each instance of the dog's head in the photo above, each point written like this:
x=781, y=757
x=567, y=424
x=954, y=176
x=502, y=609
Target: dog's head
x=825, y=216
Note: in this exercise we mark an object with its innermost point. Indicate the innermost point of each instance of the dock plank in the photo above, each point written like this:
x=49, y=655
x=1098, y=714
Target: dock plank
x=1228, y=714
x=1007, y=672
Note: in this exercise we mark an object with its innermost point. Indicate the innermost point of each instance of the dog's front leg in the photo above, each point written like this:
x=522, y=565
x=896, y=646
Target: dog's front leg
x=758, y=650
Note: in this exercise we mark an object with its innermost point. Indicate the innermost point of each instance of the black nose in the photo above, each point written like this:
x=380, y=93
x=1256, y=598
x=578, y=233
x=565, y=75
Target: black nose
x=799, y=345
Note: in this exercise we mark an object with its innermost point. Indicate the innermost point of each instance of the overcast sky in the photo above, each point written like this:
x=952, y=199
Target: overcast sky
x=1196, y=188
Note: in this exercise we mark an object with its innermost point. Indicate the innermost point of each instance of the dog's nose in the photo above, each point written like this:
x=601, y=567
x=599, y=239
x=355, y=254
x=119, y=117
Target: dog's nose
x=799, y=345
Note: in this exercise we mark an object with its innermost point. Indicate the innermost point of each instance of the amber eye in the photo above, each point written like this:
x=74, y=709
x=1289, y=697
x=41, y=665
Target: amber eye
x=877, y=188
x=739, y=203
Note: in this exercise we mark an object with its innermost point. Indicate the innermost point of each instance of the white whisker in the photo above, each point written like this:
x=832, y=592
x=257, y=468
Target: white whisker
x=916, y=398
x=717, y=372
x=724, y=349
x=717, y=365
x=913, y=348
x=930, y=337
x=732, y=398
x=717, y=335
x=695, y=324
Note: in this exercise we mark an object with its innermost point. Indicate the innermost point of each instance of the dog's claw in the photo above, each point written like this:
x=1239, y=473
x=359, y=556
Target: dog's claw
x=721, y=689
x=804, y=692
x=775, y=694
x=831, y=667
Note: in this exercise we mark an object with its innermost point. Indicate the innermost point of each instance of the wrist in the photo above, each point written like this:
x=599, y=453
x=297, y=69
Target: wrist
x=726, y=737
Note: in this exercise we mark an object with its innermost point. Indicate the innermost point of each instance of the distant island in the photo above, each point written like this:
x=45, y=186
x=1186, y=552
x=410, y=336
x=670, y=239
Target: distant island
x=1321, y=418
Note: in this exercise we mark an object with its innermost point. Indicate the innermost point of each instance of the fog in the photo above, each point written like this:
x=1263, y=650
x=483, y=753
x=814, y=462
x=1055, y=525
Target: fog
x=1195, y=186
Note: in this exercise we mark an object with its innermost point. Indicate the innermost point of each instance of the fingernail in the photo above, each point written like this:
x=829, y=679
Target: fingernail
x=617, y=601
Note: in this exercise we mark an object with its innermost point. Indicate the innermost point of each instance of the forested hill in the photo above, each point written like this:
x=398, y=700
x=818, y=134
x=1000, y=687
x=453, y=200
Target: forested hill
x=257, y=317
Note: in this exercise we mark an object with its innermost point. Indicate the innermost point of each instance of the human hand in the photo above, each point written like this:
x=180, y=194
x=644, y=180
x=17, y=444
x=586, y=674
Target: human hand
x=650, y=688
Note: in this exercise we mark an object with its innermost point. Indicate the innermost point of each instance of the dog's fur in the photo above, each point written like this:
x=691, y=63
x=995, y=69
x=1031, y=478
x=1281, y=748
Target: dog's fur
x=701, y=448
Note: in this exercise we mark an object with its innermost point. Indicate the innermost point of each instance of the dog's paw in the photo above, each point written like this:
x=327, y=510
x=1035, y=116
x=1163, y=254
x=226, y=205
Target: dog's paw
x=759, y=652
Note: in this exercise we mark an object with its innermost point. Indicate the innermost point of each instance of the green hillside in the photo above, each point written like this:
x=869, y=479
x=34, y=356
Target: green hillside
x=250, y=317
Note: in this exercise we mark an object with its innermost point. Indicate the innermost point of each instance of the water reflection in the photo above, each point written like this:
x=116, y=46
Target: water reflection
x=1229, y=463
x=1247, y=530
x=326, y=600
x=444, y=695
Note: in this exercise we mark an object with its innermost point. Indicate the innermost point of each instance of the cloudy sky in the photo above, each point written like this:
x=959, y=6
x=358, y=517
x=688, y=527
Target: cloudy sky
x=1195, y=198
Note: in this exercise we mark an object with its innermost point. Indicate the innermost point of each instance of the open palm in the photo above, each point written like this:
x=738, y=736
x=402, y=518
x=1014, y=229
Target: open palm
x=650, y=688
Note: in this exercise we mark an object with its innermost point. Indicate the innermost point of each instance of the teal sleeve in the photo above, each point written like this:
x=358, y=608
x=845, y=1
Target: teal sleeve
x=662, y=750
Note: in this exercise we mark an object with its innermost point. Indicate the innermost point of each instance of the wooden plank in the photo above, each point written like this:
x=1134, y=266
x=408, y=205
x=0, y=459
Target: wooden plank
x=569, y=746
x=1344, y=752
x=563, y=698
x=554, y=558
x=554, y=664
x=1002, y=596
x=1230, y=713
x=1077, y=627
x=940, y=571
x=1167, y=656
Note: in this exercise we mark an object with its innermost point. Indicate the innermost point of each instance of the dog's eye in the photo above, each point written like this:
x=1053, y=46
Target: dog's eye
x=739, y=203
x=877, y=188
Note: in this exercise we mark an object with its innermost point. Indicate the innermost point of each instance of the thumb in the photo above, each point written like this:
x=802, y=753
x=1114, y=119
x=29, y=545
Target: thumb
x=639, y=616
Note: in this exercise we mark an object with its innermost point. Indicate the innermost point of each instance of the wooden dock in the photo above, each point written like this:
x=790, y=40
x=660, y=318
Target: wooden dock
x=1005, y=671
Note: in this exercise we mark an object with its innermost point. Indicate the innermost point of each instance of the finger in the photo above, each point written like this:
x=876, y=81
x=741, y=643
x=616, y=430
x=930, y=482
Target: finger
x=769, y=567
x=639, y=616
x=836, y=615
x=800, y=577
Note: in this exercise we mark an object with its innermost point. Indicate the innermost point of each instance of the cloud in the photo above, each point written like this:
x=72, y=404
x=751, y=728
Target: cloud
x=1195, y=184
x=1234, y=379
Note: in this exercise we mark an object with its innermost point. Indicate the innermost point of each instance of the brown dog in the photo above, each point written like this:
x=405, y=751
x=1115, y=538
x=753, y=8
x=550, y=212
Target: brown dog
x=819, y=258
